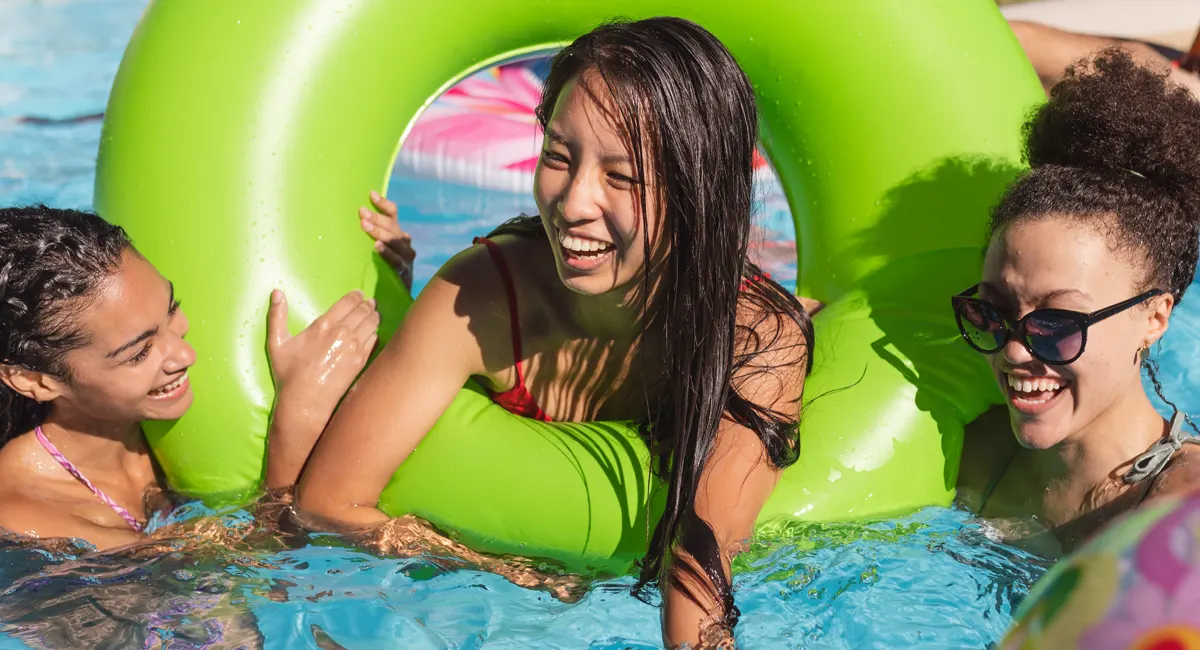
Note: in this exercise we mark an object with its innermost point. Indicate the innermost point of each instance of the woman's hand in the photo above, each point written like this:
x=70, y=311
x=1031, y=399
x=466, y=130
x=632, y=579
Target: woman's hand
x=391, y=242
x=312, y=372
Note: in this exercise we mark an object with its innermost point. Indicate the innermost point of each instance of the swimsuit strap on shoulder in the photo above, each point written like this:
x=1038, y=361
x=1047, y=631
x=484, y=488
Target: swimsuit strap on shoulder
x=1155, y=459
x=74, y=471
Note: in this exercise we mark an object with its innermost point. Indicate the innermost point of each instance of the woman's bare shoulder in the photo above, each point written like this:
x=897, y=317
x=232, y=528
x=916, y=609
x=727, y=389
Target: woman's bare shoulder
x=34, y=505
x=1181, y=475
x=988, y=446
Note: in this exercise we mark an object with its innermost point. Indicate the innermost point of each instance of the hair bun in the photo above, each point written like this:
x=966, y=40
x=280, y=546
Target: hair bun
x=1110, y=113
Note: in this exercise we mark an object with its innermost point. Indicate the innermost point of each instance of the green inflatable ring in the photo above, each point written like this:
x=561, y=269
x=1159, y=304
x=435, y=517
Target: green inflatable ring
x=241, y=136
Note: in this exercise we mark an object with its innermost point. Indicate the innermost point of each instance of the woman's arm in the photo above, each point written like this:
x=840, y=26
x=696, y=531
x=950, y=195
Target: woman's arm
x=1051, y=50
x=737, y=480
x=312, y=372
x=402, y=394
x=736, y=483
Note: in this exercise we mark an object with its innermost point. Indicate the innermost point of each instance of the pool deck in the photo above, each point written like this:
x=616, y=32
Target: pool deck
x=1167, y=22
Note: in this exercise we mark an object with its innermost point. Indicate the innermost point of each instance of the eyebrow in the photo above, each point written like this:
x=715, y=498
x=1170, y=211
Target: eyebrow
x=144, y=335
x=1039, y=299
x=1059, y=293
x=555, y=136
x=615, y=159
x=608, y=159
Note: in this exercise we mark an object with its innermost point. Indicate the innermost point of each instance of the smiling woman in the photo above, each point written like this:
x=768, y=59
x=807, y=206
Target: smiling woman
x=92, y=345
x=592, y=311
x=1089, y=254
x=671, y=330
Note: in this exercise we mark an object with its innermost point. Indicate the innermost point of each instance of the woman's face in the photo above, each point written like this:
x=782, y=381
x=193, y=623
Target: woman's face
x=1058, y=263
x=134, y=365
x=586, y=188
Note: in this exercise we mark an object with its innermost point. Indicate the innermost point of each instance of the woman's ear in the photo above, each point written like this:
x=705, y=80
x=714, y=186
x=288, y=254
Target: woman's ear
x=31, y=384
x=1158, y=316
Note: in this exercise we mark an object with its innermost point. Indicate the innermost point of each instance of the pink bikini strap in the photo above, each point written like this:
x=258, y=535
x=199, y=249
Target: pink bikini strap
x=70, y=467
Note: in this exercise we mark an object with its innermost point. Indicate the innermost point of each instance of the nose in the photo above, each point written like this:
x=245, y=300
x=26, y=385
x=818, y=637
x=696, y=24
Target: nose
x=582, y=199
x=180, y=354
x=1015, y=352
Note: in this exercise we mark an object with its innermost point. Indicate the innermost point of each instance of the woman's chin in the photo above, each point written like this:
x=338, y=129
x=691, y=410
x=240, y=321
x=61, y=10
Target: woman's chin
x=591, y=284
x=1037, y=435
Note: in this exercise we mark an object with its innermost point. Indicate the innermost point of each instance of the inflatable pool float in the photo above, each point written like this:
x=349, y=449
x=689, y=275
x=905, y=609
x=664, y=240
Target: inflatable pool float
x=241, y=137
x=1134, y=587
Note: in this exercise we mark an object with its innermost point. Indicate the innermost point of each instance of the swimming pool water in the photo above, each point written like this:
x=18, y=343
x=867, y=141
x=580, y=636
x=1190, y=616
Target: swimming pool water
x=931, y=580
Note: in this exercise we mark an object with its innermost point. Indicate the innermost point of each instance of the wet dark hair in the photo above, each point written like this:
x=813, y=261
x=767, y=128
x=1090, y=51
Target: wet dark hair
x=51, y=260
x=679, y=92
x=1117, y=147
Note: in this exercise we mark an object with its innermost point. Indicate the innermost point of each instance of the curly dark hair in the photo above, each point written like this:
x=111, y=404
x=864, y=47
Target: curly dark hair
x=51, y=261
x=1117, y=147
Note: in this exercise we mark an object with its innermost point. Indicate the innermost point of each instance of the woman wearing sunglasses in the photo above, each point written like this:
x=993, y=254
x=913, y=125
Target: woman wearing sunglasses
x=1089, y=253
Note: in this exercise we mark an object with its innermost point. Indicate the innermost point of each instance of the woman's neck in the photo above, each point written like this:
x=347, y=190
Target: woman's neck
x=88, y=443
x=1099, y=453
x=625, y=313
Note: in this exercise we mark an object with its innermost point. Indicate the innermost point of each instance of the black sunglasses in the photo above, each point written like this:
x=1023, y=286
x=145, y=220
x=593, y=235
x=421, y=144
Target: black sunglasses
x=1054, y=336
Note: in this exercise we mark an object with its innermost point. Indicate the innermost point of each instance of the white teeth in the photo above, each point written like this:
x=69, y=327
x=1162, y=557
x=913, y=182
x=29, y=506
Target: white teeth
x=1030, y=385
x=171, y=386
x=581, y=244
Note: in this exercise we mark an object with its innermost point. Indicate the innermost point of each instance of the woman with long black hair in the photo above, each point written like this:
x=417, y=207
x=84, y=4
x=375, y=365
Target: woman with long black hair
x=629, y=297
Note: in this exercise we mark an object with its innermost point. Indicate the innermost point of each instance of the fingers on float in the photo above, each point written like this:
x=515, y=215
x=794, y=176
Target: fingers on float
x=277, y=313
x=384, y=204
x=343, y=306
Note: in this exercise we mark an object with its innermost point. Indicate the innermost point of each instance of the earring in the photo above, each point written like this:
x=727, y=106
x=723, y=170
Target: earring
x=1142, y=353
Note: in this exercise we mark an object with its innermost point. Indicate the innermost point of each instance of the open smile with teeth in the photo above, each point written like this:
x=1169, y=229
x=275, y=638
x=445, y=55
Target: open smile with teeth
x=1034, y=390
x=170, y=389
x=582, y=246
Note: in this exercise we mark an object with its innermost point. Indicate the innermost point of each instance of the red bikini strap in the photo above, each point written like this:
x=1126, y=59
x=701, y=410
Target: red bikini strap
x=506, y=276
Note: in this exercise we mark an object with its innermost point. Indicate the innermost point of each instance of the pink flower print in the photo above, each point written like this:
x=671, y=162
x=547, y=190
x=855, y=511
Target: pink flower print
x=1168, y=548
x=1147, y=617
x=482, y=131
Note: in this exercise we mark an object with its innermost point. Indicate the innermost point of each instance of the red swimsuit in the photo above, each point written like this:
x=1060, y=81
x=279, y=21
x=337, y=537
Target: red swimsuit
x=517, y=399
